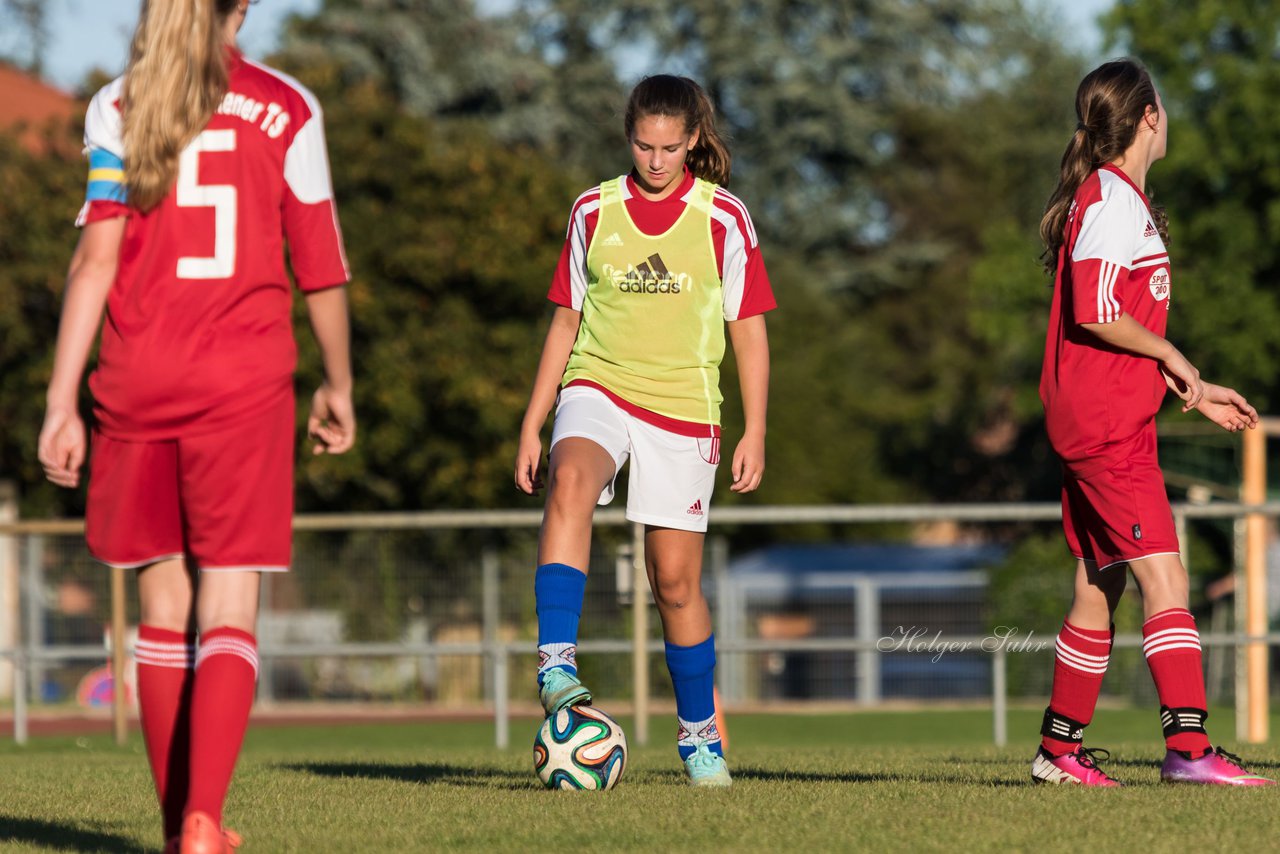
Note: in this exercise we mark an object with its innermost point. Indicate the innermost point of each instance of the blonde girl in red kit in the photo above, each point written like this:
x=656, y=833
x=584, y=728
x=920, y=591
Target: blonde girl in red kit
x=1107, y=366
x=202, y=166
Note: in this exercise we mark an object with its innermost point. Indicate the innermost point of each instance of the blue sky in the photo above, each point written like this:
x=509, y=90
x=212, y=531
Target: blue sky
x=88, y=34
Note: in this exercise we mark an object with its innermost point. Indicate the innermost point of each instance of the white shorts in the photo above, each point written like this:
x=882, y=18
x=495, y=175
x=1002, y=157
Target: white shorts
x=671, y=476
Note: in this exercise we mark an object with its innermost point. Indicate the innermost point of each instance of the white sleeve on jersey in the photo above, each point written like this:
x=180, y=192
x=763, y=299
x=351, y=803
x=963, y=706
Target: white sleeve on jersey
x=577, y=237
x=739, y=241
x=306, y=163
x=1109, y=235
x=1110, y=227
x=103, y=128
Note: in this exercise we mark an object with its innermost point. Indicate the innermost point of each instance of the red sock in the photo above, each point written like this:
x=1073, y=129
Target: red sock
x=226, y=675
x=165, y=664
x=1081, y=662
x=1172, y=646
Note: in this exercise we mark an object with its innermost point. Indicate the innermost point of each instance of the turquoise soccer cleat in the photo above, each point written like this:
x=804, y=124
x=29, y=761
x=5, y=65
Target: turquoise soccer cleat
x=707, y=769
x=562, y=689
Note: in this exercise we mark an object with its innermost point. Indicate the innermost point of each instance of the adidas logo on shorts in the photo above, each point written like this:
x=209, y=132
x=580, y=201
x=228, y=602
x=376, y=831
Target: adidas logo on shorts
x=695, y=509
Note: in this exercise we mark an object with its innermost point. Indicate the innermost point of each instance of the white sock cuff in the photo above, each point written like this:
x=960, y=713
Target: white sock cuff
x=557, y=655
x=181, y=656
x=693, y=733
x=224, y=645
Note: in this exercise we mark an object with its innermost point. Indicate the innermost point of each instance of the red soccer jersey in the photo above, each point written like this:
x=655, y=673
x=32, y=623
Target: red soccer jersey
x=198, y=332
x=1112, y=262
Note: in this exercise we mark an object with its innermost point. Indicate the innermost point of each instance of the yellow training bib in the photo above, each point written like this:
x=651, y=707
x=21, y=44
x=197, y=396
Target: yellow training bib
x=652, y=328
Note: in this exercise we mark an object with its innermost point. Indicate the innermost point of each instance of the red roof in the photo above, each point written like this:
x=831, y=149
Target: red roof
x=32, y=105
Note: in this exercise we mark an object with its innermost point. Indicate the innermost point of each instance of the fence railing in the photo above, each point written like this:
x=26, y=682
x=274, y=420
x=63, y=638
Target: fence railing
x=1251, y=693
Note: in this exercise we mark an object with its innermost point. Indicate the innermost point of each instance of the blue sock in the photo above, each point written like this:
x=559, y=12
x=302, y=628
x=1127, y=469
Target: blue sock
x=693, y=671
x=558, y=590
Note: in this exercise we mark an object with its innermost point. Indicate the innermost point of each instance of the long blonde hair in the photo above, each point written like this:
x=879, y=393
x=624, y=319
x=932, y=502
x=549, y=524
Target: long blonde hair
x=176, y=78
x=681, y=97
x=1110, y=102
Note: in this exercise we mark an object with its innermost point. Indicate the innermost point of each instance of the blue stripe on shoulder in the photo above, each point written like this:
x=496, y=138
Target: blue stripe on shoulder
x=106, y=191
x=100, y=158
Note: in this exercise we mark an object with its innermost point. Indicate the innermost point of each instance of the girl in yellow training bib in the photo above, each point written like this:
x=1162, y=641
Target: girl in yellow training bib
x=655, y=265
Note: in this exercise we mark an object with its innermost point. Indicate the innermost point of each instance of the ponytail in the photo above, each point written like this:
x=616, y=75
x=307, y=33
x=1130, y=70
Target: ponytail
x=681, y=97
x=176, y=78
x=1110, y=102
x=1077, y=164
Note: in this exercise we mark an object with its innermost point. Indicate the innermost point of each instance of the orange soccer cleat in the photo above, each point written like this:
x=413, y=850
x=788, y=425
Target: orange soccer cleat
x=202, y=835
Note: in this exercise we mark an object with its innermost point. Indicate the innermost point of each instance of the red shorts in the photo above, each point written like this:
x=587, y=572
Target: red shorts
x=1119, y=514
x=224, y=499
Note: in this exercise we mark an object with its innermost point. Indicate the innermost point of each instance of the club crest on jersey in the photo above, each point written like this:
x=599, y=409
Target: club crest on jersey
x=650, y=276
x=1150, y=231
x=1159, y=284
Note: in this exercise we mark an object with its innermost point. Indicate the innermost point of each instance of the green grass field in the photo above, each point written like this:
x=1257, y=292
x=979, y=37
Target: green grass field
x=902, y=781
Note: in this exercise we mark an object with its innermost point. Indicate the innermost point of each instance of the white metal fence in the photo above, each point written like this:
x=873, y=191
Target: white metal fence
x=32, y=552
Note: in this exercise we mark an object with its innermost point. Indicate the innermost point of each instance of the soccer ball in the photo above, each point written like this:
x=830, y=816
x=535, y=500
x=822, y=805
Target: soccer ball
x=580, y=748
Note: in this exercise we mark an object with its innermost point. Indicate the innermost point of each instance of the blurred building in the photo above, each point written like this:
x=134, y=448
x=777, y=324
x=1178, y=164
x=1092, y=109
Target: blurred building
x=912, y=602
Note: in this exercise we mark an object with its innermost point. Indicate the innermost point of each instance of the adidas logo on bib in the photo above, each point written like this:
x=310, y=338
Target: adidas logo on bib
x=612, y=240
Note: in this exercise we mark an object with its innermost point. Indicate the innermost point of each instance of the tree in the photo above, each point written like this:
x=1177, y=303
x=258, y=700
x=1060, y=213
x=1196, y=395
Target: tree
x=452, y=238
x=441, y=59
x=39, y=197
x=809, y=91
x=1215, y=65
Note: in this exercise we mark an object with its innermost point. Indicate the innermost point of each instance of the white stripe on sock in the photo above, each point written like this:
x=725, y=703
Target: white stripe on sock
x=228, y=646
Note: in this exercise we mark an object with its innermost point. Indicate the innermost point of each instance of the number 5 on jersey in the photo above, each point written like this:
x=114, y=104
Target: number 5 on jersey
x=221, y=197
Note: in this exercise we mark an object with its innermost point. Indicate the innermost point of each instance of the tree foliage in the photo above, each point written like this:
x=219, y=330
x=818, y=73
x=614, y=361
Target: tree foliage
x=451, y=238
x=811, y=93
x=1217, y=67
x=443, y=60
x=39, y=197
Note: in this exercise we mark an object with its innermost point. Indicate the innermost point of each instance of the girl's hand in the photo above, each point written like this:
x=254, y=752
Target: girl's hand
x=1227, y=408
x=332, y=423
x=61, y=448
x=748, y=464
x=1184, y=379
x=528, y=462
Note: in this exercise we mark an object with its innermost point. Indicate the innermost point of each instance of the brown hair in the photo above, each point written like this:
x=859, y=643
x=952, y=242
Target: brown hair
x=680, y=97
x=177, y=76
x=1110, y=102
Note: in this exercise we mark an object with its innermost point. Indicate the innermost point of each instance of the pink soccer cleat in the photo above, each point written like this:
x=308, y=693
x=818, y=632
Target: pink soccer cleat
x=1215, y=768
x=202, y=835
x=1080, y=767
